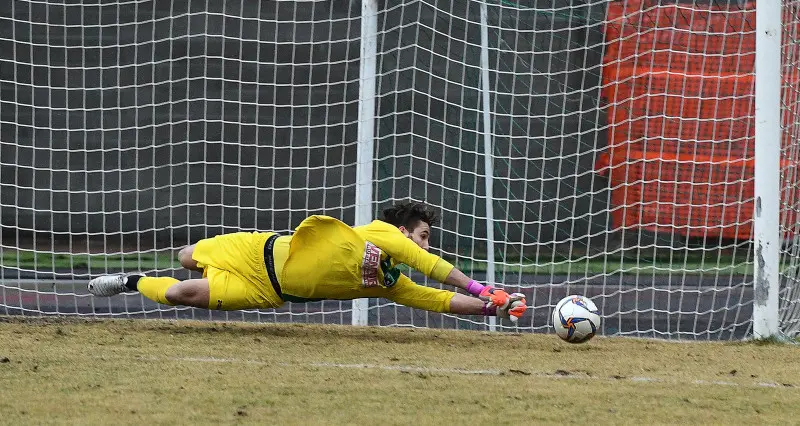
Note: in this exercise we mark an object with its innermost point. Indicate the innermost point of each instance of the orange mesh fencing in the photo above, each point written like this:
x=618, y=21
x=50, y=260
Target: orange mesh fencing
x=679, y=85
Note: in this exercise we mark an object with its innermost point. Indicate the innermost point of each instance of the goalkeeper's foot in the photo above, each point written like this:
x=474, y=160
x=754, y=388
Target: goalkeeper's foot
x=109, y=285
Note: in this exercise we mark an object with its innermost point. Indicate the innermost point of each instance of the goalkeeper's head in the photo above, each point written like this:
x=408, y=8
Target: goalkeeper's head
x=414, y=220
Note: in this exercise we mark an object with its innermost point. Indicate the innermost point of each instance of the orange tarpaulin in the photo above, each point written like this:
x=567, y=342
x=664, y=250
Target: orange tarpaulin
x=679, y=86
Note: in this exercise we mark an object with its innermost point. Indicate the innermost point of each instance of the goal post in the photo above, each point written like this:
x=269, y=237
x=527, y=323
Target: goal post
x=789, y=282
x=488, y=155
x=366, y=131
x=626, y=150
x=767, y=189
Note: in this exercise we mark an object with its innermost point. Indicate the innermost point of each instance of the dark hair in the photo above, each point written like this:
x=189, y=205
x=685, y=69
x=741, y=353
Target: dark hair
x=408, y=214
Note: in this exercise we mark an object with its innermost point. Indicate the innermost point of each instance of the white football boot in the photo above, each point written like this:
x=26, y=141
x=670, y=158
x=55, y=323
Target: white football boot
x=109, y=285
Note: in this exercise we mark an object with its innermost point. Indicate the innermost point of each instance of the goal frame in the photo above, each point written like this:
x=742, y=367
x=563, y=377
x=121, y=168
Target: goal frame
x=766, y=218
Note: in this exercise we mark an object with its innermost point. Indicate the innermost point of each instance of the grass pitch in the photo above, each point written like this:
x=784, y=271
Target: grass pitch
x=179, y=372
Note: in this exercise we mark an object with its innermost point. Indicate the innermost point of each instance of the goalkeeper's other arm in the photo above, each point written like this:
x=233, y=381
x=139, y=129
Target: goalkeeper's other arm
x=513, y=308
x=487, y=300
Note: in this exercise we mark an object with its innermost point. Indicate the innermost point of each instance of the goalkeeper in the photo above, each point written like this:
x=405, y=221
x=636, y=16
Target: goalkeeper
x=323, y=259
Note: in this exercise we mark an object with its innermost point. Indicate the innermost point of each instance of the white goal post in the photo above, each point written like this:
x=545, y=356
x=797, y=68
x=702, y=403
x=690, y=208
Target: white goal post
x=766, y=221
x=641, y=152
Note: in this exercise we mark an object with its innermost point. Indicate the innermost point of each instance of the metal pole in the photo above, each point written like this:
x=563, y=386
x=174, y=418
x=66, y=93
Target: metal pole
x=766, y=230
x=487, y=155
x=366, y=131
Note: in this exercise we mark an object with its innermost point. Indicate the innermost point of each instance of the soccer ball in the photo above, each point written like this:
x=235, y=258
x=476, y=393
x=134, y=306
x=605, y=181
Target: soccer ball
x=576, y=319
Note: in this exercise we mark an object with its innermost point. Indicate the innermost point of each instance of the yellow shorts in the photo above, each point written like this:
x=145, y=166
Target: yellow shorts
x=237, y=276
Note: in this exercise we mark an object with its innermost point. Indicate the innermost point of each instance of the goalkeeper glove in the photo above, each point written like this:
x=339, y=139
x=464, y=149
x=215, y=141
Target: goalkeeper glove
x=494, y=296
x=504, y=305
x=516, y=307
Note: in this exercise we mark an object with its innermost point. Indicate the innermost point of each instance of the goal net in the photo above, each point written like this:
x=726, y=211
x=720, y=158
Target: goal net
x=602, y=147
x=790, y=175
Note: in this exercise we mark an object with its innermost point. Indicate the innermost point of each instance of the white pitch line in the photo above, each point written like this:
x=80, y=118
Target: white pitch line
x=433, y=370
x=405, y=368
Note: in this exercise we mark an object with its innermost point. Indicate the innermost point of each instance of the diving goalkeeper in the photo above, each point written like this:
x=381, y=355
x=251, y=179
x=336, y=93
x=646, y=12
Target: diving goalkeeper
x=323, y=259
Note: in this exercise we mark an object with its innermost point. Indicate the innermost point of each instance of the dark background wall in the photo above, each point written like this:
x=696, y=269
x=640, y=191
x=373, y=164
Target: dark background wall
x=168, y=121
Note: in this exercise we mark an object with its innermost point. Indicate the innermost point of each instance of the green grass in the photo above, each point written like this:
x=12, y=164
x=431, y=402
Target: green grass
x=72, y=371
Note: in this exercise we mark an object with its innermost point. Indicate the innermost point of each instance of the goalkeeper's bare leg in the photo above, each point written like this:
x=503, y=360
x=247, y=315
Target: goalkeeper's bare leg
x=186, y=260
x=164, y=290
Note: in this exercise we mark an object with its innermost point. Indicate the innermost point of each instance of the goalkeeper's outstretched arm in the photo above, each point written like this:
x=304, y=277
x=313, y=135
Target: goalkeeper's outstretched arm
x=456, y=278
x=403, y=235
x=492, y=303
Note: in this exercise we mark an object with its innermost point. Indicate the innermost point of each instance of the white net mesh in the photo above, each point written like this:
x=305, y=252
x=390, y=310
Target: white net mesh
x=134, y=128
x=790, y=159
x=621, y=147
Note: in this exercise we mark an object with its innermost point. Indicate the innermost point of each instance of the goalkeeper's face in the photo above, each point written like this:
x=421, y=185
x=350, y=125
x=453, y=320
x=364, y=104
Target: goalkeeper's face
x=420, y=234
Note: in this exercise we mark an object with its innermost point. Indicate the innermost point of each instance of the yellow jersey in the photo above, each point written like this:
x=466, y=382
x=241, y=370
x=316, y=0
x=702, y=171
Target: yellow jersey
x=327, y=259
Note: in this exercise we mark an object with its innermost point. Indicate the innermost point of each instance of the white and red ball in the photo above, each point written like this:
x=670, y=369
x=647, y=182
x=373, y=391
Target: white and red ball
x=576, y=319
